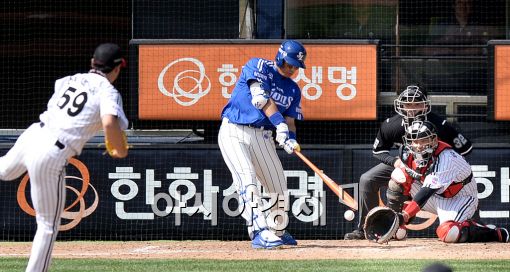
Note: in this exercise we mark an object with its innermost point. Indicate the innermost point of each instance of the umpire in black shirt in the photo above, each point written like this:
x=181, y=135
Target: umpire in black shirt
x=411, y=105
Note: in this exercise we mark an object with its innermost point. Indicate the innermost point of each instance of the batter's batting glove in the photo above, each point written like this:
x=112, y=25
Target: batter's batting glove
x=290, y=145
x=282, y=133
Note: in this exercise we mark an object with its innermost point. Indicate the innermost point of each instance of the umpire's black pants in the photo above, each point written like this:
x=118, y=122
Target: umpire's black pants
x=370, y=183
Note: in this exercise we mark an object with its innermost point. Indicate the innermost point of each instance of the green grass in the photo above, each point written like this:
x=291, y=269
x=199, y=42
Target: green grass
x=85, y=265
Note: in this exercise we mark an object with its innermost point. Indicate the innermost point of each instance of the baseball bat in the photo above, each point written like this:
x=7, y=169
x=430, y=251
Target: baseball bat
x=344, y=196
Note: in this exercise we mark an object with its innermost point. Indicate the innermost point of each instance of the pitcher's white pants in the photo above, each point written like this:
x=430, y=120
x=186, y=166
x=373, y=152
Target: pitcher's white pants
x=35, y=151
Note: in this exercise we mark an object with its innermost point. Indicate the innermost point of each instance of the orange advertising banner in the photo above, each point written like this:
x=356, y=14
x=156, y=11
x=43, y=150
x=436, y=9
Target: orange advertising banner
x=195, y=81
x=502, y=82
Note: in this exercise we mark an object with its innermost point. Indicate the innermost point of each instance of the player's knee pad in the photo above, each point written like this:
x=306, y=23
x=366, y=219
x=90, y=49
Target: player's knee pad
x=395, y=196
x=395, y=186
x=453, y=232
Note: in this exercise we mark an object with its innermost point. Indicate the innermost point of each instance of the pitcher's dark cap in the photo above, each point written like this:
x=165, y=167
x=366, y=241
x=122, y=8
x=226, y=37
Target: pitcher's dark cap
x=107, y=56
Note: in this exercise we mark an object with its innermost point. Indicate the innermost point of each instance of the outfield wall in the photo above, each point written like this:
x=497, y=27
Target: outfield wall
x=195, y=199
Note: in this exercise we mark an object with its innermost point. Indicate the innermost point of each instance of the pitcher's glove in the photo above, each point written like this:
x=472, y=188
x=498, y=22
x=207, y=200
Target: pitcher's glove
x=110, y=150
x=381, y=224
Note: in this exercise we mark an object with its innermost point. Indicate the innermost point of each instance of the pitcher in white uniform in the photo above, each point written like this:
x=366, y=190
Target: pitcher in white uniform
x=444, y=185
x=81, y=105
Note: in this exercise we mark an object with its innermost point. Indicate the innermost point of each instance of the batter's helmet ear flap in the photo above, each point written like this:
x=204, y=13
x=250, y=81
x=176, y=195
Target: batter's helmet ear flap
x=292, y=52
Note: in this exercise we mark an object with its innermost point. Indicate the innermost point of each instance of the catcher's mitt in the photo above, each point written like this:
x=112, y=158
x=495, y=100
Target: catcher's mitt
x=381, y=224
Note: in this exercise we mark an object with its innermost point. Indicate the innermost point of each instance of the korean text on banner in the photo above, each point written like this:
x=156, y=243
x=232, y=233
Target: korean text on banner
x=194, y=81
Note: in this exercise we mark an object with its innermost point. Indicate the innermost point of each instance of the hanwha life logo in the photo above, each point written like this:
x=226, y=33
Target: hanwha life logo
x=189, y=84
x=73, y=214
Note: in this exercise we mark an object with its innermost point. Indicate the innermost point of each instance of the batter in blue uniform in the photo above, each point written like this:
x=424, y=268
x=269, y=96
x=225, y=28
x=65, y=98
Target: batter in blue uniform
x=265, y=99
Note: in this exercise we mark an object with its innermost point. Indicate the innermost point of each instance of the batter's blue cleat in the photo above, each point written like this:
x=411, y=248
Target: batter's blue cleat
x=288, y=239
x=266, y=239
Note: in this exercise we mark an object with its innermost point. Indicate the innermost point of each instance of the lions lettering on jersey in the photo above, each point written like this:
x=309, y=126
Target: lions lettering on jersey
x=281, y=100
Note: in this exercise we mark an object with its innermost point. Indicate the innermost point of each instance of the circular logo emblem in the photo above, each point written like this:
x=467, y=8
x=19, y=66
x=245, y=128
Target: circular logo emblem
x=74, y=216
x=189, y=85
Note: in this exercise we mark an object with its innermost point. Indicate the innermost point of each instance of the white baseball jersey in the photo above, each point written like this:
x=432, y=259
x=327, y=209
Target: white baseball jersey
x=76, y=106
x=450, y=169
x=72, y=118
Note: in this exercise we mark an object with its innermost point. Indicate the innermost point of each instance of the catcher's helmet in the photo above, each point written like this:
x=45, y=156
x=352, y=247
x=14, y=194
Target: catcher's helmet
x=421, y=140
x=292, y=52
x=412, y=104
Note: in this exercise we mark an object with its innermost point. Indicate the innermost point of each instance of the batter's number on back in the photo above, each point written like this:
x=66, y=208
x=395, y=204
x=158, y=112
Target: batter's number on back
x=78, y=103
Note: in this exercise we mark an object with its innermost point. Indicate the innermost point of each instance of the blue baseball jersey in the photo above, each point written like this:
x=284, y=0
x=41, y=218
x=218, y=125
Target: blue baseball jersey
x=282, y=90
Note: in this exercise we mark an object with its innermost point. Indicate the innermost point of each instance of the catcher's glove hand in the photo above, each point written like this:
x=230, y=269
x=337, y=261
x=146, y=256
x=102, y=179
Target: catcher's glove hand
x=381, y=224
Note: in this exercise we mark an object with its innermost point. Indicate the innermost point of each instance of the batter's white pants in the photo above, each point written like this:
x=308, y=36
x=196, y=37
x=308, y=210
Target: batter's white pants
x=35, y=151
x=250, y=155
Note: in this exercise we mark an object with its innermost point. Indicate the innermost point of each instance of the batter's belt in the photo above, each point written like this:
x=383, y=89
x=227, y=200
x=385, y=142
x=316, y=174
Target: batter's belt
x=247, y=125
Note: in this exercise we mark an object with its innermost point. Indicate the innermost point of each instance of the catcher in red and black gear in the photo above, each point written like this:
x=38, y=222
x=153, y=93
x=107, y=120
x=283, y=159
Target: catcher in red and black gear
x=412, y=104
x=444, y=185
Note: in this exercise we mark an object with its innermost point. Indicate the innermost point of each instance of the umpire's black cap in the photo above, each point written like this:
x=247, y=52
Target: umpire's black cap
x=107, y=56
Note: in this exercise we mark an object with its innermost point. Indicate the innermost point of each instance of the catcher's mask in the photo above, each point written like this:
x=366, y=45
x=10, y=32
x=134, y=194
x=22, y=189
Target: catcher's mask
x=421, y=140
x=412, y=104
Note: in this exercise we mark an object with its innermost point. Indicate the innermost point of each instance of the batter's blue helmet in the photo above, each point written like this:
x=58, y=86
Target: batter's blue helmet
x=292, y=52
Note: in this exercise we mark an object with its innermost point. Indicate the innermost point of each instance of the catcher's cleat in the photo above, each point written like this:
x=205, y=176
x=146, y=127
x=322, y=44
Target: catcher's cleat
x=288, y=239
x=266, y=239
x=503, y=235
x=357, y=234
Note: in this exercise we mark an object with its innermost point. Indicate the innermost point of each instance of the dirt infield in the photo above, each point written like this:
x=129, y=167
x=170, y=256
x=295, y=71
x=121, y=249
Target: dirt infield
x=241, y=250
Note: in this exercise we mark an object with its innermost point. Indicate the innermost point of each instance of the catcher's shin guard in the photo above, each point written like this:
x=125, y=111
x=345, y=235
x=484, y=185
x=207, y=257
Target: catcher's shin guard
x=469, y=232
x=395, y=196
